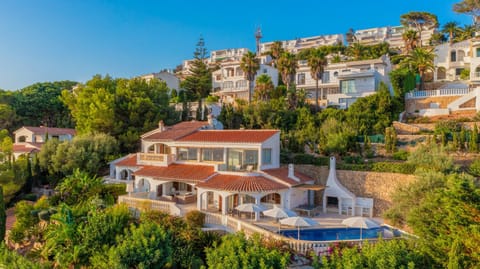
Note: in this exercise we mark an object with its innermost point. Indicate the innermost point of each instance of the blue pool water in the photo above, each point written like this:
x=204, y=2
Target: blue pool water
x=331, y=234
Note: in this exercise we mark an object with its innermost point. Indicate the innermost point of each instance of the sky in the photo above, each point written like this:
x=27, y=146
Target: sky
x=53, y=40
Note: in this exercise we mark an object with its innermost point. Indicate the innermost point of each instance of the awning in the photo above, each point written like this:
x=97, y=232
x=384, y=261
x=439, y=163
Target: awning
x=312, y=187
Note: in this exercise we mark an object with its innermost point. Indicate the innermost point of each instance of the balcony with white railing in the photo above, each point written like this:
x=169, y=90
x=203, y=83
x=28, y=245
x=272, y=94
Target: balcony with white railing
x=438, y=93
x=475, y=76
x=155, y=159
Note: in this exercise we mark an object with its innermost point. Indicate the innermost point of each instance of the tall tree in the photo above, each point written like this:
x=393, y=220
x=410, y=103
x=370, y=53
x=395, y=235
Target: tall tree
x=452, y=29
x=465, y=32
x=275, y=51
x=3, y=216
x=420, y=21
x=287, y=66
x=39, y=104
x=469, y=7
x=317, y=61
x=199, y=81
x=250, y=65
x=411, y=39
x=263, y=87
x=420, y=60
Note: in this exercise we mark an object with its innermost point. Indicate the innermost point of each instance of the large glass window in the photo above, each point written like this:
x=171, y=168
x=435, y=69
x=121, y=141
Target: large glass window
x=347, y=86
x=478, y=52
x=212, y=155
x=242, y=159
x=266, y=156
x=187, y=154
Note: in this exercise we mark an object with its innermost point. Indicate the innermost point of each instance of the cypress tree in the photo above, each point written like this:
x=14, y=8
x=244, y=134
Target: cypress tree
x=473, y=145
x=3, y=216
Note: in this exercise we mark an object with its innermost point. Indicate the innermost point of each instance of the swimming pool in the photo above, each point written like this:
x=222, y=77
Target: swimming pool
x=331, y=234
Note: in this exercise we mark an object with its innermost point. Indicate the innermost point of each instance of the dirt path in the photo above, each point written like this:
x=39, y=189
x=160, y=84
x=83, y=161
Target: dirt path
x=10, y=218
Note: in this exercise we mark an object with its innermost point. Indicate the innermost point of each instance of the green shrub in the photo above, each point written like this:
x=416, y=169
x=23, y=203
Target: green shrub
x=474, y=168
x=310, y=159
x=389, y=167
x=354, y=167
x=195, y=218
x=353, y=159
x=400, y=155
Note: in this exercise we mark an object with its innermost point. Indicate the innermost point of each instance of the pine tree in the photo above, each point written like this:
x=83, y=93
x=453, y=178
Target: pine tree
x=199, y=82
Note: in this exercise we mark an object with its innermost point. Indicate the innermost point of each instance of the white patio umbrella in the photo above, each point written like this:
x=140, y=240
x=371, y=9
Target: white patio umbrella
x=279, y=213
x=360, y=222
x=251, y=208
x=298, y=222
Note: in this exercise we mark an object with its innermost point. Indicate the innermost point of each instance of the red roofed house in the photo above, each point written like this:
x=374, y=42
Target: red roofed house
x=191, y=162
x=30, y=139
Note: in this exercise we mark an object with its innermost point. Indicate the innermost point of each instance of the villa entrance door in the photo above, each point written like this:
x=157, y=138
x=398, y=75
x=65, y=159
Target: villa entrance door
x=159, y=190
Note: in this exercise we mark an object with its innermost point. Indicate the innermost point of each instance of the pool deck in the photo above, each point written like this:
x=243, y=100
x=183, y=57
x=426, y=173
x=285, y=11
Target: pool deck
x=327, y=220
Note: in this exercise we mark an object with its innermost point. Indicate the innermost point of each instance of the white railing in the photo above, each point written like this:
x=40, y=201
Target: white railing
x=148, y=204
x=436, y=93
x=476, y=75
x=233, y=225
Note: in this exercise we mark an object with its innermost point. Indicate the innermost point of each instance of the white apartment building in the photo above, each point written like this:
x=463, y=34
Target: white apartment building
x=299, y=44
x=229, y=80
x=343, y=83
x=390, y=34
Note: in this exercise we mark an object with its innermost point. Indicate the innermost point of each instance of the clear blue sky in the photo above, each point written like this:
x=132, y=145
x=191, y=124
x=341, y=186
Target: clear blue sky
x=50, y=40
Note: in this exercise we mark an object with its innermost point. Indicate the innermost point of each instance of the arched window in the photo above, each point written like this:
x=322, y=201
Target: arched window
x=441, y=73
x=22, y=139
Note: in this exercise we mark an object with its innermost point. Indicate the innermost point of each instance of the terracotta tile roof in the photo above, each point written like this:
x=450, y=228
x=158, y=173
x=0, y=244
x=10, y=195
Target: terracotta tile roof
x=178, y=172
x=282, y=174
x=176, y=131
x=130, y=160
x=241, y=183
x=24, y=148
x=50, y=130
x=230, y=136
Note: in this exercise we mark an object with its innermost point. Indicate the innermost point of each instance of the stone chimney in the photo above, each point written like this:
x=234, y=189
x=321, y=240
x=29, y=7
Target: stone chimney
x=161, y=126
x=291, y=172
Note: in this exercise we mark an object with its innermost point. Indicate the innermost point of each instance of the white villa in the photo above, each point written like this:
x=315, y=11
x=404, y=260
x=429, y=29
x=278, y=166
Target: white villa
x=191, y=163
x=30, y=139
x=343, y=83
x=172, y=81
x=452, y=94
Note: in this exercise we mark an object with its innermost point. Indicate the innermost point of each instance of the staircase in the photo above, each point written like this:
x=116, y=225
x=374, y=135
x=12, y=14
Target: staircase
x=456, y=105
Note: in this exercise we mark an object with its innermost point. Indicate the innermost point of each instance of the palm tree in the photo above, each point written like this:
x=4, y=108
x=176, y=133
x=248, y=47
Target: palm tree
x=275, y=51
x=356, y=51
x=420, y=60
x=287, y=66
x=466, y=32
x=317, y=61
x=250, y=65
x=263, y=87
x=410, y=37
x=452, y=29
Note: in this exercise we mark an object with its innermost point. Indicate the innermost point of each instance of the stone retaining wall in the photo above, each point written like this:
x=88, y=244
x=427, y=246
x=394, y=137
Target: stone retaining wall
x=379, y=186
